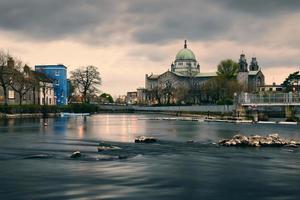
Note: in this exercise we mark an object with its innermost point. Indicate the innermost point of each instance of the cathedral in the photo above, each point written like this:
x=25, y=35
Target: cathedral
x=186, y=71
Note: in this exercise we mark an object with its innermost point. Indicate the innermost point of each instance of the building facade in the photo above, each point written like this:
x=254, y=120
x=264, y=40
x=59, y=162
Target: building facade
x=185, y=73
x=58, y=74
x=131, y=98
x=38, y=90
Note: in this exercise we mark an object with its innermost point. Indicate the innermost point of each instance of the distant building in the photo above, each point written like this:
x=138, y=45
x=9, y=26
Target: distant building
x=40, y=92
x=185, y=73
x=121, y=99
x=141, y=96
x=131, y=97
x=250, y=78
x=58, y=73
x=45, y=90
x=272, y=88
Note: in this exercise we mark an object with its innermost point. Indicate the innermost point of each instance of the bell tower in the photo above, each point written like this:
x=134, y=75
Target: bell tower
x=254, y=65
x=243, y=65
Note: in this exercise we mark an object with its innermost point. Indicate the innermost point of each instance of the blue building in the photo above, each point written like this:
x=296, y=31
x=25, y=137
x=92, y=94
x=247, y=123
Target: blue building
x=58, y=73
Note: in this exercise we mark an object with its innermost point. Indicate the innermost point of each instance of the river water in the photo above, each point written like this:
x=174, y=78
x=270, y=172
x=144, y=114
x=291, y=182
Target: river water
x=35, y=160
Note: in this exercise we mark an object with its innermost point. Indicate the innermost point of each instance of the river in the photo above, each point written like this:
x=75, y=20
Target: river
x=35, y=160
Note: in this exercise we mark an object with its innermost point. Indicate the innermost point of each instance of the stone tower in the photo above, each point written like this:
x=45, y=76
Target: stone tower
x=243, y=65
x=243, y=73
x=254, y=65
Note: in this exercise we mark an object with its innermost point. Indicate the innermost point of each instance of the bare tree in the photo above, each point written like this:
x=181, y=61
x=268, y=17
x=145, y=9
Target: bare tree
x=21, y=81
x=87, y=81
x=154, y=95
x=6, y=64
x=168, y=92
x=180, y=94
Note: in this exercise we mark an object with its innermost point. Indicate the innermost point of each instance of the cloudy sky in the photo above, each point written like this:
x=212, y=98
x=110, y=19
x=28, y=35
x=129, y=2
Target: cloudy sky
x=127, y=39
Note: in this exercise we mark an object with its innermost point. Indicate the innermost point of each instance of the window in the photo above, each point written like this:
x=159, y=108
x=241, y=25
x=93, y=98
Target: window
x=56, y=72
x=180, y=63
x=11, y=94
x=56, y=82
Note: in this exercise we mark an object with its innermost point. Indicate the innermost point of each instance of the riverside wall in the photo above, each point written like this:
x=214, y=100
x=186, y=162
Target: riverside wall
x=177, y=109
x=188, y=109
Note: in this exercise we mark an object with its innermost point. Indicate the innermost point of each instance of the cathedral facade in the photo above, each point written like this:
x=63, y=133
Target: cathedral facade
x=185, y=72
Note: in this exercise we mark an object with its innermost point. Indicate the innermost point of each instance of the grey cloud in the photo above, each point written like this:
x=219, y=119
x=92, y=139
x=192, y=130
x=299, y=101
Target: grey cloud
x=52, y=19
x=267, y=24
x=262, y=8
x=236, y=20
x=149, y=21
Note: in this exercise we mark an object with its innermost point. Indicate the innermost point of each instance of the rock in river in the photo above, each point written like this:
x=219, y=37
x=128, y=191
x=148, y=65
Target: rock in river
x=106, y=148
x=76, y=154
x=145, y=139
x=272, y=140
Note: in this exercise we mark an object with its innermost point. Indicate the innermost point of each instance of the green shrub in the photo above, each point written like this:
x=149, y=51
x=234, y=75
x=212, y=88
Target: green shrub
x=76, y=108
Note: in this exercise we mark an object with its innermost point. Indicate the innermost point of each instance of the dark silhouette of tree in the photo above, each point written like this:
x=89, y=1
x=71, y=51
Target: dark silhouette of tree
x=228, y=69
x=292, y=82
x=221, y=89
x=155, y=95
x=21, y=81
x=106, y=97
x=86, y=81
x=6, y=65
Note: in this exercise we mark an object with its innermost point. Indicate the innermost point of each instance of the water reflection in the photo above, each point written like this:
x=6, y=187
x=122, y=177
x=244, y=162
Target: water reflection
x=170, y=169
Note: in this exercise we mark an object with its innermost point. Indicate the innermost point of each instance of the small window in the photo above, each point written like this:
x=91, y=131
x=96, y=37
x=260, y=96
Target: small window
x=11, y=94
x=56, y=72
x=270, y=89
x=263, y=89
x=180, y=63
x=56, y=82
x=278, y=89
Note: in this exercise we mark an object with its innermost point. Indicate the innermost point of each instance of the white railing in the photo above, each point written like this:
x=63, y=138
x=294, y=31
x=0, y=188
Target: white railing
x=272, y=99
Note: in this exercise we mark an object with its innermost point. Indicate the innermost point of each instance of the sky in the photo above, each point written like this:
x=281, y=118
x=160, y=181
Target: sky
x=127, y=39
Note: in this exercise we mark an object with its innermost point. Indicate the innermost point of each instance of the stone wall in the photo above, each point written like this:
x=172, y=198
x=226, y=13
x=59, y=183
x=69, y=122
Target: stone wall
x=194, y=108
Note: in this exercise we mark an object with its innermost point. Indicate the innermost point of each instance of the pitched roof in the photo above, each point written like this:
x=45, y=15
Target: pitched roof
x=253, y=73
x=200, y=75
x=153, y=76
x=42, y=77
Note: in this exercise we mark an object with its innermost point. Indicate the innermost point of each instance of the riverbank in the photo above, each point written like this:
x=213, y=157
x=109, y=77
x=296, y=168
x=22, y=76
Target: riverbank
x=39, y=111
x=27, y=115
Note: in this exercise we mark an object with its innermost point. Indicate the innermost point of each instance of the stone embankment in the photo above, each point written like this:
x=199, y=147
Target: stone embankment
x=272, y=140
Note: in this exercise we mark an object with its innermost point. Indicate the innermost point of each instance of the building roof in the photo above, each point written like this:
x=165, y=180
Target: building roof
x=185, y=54
x=153, y=76
x=200, y=75
x=51, y=66
x=207, y=74
x=42, y=77
x=253, y=73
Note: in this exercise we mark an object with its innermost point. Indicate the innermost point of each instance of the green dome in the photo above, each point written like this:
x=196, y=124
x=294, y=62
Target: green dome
x=185, y=54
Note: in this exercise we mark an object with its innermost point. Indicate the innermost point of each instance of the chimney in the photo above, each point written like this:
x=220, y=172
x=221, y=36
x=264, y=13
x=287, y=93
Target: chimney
x=11, y=62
